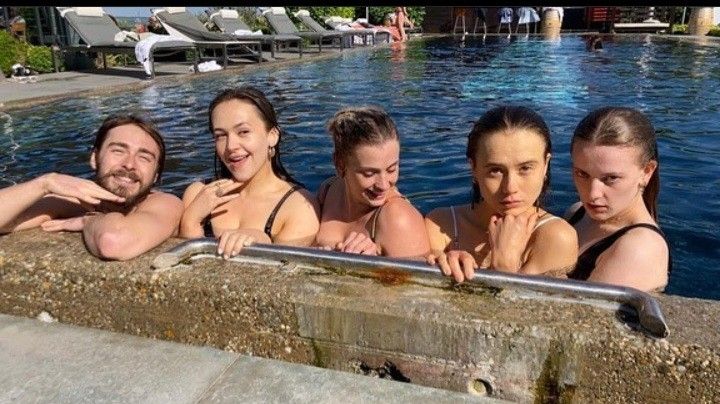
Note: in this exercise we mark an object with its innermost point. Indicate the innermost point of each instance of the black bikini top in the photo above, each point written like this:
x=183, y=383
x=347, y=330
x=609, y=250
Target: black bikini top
x=586, y=261
x=207, y=226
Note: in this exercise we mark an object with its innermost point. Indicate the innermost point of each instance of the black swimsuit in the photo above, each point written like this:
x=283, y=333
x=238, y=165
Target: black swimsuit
x=586, y=260
x=207, y=226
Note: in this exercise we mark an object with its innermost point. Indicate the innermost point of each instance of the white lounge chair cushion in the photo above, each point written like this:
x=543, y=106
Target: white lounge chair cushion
x=246, y=32
x=174, y=10
x=302, y=12
x=89, y=11
x=232, y=14
x=276, y=10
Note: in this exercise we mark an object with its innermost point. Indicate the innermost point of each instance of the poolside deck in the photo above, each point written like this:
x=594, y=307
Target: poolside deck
x=23, y=92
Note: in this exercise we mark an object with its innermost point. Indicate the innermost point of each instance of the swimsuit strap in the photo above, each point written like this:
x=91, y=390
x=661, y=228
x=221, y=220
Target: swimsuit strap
x=323, y=190
x=271, y=218
x=577, y=215
x=374, y=223
x=548, y=217
x=456, y=236
x=374, y=220
x=586, y=260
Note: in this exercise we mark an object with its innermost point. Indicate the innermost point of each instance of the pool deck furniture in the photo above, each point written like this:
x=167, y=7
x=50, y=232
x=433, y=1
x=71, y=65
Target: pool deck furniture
x=98, y=31
x=281, y=23
x=334, y=22
x=229, y=21
x=177, y=21
x=347, y=35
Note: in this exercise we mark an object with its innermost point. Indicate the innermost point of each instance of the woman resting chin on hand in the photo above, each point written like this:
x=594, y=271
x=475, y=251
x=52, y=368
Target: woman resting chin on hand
x=504, y=228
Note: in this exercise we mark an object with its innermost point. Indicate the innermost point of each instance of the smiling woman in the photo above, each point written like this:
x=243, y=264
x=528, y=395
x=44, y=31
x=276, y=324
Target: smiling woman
x=252, y=197
x=362, y=210
x=505, y=227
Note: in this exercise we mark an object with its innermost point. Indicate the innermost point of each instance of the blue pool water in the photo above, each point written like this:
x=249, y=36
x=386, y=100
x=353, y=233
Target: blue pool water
x=435, y=89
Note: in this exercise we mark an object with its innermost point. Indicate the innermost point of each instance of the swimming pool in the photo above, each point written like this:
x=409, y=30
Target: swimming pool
x=435, y=89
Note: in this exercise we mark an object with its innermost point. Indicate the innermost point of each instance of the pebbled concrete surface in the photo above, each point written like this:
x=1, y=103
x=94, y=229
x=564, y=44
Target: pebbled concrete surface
x=521, y=346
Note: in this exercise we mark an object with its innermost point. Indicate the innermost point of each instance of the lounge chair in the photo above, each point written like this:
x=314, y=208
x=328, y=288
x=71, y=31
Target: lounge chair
x=281, y=23
x=229, y=21
x=347, y=35
x=98, y=31
x=179, y=22
x=336, y=22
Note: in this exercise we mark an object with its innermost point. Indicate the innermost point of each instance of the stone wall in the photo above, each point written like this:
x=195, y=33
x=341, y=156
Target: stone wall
x=509, y=344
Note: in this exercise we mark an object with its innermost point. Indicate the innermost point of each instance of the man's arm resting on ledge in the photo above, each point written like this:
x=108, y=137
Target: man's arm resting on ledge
x=116, y=236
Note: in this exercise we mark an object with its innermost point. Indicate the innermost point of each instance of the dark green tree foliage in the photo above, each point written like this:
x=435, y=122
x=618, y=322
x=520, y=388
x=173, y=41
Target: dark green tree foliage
x=11, y=52
x=39, y=58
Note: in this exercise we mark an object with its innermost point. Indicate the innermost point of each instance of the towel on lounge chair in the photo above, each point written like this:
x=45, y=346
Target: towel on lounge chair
x=100, y=33
x=144, y=47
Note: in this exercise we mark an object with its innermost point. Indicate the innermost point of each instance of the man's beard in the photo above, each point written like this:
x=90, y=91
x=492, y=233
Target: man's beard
x=120, y=190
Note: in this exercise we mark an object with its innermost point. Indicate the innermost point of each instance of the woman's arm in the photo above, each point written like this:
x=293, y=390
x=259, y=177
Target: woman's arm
x=401, y=231
x=638, y=259
x=436, y=223
x=302, y=221
x=552, y=249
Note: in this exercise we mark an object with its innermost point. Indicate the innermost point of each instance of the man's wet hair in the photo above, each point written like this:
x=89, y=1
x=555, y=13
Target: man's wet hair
x=146, y=125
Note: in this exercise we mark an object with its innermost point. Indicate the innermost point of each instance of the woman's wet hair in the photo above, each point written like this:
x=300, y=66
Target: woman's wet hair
x=269, y=118
x=146, y=125
x=357, y=126
x=626, y=127
x=509, y=118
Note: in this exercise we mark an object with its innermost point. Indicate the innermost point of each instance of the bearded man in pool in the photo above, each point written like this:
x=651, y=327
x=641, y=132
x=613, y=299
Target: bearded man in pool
x=119, y=215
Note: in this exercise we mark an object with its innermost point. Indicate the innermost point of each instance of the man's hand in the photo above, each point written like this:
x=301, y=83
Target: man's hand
x=71, y=224
x=85, y=191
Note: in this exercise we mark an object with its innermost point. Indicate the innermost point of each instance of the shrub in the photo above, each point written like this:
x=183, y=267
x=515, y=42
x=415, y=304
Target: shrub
x=11, y=52
x=679, y=29
x=253, y=21
x=39, y=58
x=714, y=31
x=319, y=14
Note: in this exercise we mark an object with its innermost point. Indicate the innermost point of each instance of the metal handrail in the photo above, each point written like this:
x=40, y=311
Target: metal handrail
x=646, y=306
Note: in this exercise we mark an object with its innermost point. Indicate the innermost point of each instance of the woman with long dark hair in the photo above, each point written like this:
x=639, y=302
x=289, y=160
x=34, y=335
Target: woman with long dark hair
x=253, y=198
x=504, y=228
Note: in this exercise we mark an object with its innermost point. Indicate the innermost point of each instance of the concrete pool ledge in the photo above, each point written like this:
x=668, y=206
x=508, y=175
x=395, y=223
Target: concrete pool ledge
x=513, y=345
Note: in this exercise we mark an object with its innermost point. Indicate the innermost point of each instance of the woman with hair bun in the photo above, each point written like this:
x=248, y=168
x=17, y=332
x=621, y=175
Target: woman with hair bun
x=363, y=211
